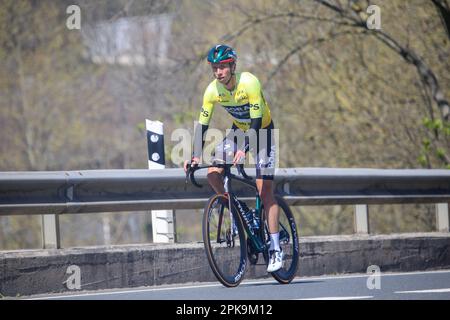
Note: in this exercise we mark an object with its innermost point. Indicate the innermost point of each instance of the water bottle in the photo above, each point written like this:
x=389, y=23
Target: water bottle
x=255, y=219
x=248, y=215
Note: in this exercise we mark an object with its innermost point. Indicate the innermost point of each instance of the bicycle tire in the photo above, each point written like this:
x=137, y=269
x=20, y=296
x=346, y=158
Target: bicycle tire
x=291, y=249
x=227, y=259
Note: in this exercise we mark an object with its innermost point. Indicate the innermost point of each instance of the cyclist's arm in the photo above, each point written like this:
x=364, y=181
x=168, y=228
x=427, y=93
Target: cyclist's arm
x=203, y=122
x=256, y=102
x=199, y=141
x=255, y=97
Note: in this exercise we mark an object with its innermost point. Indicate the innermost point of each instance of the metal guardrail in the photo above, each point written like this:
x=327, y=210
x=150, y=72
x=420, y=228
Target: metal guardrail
x=54, y=193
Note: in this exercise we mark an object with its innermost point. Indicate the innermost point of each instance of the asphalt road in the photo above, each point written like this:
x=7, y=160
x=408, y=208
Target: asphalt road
x=429, y=285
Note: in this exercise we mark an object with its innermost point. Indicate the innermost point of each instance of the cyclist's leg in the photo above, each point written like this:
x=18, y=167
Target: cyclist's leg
x=265, y=170
x=215, y=180
x=265, y=189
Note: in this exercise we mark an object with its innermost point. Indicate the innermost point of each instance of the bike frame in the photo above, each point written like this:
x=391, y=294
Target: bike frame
x=255, y=242
x=233, y=202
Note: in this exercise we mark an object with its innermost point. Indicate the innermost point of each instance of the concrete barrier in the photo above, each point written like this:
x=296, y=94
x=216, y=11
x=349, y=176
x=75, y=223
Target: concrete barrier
x=29, y=272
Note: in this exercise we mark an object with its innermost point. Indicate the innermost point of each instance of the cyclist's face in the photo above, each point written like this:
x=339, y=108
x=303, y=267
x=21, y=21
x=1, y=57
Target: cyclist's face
x=222, y=72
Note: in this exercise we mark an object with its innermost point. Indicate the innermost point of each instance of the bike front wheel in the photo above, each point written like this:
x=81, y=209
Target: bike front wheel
x=288, y=242
x=224, y=240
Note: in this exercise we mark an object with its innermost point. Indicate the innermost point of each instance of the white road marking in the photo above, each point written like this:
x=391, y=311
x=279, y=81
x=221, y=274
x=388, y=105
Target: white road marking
x=127, y=291
x=245, y=282
x=382, y=274
x=426, y=291
x=339, y=298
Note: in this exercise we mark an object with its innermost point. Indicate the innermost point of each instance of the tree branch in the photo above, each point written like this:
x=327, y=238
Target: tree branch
x=303, y=46
x=425, y=73
x=444, y=12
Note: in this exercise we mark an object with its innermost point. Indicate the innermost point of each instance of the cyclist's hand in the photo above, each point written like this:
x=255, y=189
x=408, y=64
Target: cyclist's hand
x=194, y=162
x=238, y=157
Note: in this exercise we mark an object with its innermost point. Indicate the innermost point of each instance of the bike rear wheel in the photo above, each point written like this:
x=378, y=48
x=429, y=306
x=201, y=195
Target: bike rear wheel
x=288, y=242
x=224, y=240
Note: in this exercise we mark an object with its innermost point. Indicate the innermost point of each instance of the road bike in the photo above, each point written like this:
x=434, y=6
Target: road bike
x=231, y=237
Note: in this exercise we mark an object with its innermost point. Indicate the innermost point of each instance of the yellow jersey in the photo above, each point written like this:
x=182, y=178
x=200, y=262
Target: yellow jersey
x=245, y=102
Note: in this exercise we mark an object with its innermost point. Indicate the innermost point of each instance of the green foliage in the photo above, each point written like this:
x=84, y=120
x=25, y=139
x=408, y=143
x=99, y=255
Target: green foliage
x=436, y=125
x=141, y=127
x=432, y=147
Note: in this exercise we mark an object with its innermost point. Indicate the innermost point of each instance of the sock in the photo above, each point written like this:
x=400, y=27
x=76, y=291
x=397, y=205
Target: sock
x=275, y=241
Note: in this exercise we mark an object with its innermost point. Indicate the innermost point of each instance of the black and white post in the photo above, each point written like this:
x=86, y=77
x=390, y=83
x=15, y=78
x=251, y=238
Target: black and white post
x=163, y=223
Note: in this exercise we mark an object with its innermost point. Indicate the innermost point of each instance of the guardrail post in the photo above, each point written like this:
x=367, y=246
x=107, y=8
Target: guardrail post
x=442, y=217
x=361, y=219
x=50, y=231
x=163, y=224
x=163, y=221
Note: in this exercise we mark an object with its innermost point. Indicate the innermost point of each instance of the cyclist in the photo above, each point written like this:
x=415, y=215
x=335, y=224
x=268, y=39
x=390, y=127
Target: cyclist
x=241, y=95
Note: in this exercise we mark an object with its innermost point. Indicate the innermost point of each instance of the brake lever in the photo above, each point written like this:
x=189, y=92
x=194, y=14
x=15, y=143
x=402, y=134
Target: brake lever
x=240, y=168
x=187, y=176
x=190, y=173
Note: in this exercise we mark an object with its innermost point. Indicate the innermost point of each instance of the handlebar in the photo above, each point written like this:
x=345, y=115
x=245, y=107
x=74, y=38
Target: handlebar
x=191, y=171
x=241, y=170
x=190, y=174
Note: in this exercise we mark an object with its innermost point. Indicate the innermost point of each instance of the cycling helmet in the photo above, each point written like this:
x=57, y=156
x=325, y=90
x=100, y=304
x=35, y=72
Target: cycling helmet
x=221, y=54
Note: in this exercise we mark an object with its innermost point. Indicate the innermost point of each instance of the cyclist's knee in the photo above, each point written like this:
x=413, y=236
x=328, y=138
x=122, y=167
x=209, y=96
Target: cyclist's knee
x=268, y=199
x=215, y=170
x=215, y=180
x=265, y=189
x=214, y=174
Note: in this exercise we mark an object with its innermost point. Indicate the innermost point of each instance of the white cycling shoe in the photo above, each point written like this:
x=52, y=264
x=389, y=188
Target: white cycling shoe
x=275, y=260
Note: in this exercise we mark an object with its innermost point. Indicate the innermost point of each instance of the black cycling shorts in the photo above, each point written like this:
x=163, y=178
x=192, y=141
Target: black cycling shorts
x=262, y=146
